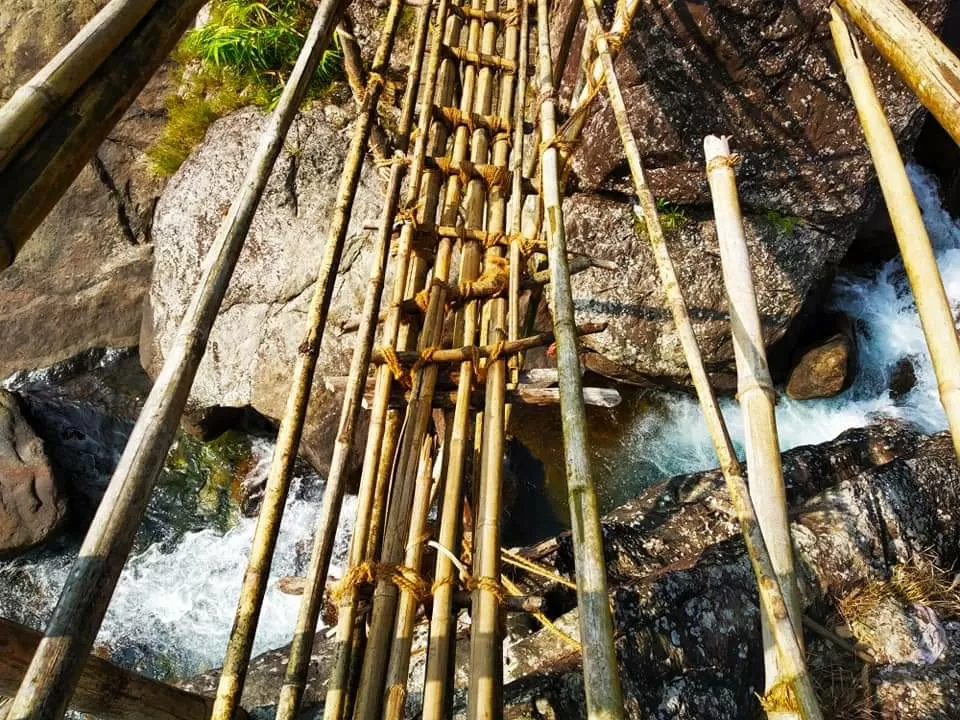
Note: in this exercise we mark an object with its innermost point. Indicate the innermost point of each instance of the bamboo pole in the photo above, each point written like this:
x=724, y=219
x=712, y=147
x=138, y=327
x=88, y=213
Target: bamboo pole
x=419, y=408
x=485, y=690
x=356, y=78
x=104, y=689
x=769, y=589
x=601, y=676
x=56, y=667
x=291, y=426
x=756, y=395
x=295, y=678
x=35, y=101
x=933, y=305
x=44, y=167
x=927, y=66
x=423, y=192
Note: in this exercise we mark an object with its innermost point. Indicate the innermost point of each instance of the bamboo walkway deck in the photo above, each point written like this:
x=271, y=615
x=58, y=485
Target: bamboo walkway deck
x=471, y=230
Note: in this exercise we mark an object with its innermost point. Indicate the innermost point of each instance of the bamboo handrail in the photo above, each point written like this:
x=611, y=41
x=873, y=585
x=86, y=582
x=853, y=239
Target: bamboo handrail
x=927, y=66
x=37, y=99
x=104, y=690
x=757, y=398
x=37, y=175
x=56, y=667
x=601, y=677
x=933, y=305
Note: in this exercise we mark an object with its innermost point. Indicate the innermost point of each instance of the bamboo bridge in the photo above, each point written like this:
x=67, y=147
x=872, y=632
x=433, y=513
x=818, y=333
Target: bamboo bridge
x=472, y=229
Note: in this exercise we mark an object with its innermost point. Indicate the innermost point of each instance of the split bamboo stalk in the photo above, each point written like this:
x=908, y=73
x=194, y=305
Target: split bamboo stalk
x=933, y=305
x=291, y=426
x=58, y=662
x=601, y=676
x=423, y=191
x=395, y=696
x=771, y=597
x=300, y=651
x=419, y=408
x=34, y=102
x=927, y=66
x=485, y=690
x=36, y=177
x=757, y=398
x=104, y=690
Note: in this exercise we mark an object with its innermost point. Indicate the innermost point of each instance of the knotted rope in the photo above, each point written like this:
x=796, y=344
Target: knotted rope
x=723, y=161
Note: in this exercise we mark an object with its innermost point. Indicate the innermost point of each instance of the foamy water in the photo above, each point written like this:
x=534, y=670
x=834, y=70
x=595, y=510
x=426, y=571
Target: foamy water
x=888, y=330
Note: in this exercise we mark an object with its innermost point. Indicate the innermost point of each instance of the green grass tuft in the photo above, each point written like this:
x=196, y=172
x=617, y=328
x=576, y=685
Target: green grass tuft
x=786, y=223
x=242, y=56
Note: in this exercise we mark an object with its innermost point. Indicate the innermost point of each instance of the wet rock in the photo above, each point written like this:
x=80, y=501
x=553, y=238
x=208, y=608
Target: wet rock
x=80, y=280
x=254, y=342
x=32, y=507
x=903, y=378
x=789, y=258
x=823, y=371
x=686, y=609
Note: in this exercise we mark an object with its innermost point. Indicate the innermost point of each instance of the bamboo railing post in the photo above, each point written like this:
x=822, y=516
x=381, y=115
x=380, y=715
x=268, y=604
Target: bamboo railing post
x=423, y=191
x=917, y=54
x=601, y=675
x=36, y=176
x=41, y=96
x=933, y=305
x=769, y=589
x=104, y=690
x=756, y=395
x=58, y=662
x=288, y=438
x=296, y=672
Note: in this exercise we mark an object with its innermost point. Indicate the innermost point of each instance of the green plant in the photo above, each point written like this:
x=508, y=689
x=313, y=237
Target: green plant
x=241, y=56
x=672, y=217
x=785, y=223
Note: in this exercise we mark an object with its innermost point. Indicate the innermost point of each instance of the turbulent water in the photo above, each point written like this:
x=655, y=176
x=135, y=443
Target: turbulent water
x=174, y=605
x=674, y=440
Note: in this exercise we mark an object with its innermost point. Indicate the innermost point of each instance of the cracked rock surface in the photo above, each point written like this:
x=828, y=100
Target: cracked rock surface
x=262, y=322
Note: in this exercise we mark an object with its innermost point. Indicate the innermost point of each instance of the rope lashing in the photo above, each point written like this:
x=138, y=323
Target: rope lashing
x=486, y=584
x=495, y=353
x=369, y=573
x=391, y=360
x=493, y=279
x=723, y=161
x=494, y=176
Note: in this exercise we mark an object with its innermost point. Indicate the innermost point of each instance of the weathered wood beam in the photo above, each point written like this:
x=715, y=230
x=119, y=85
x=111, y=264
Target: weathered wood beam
x=105, y=690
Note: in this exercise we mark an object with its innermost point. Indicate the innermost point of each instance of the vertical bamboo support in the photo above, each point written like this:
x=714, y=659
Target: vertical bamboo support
x=771, y=597
x=920, y=57
x=423, y=188
x=933, y=305
x=56, y=667
x=601, y=676
x=33, y=103
x=756, y=394
x=296, y=672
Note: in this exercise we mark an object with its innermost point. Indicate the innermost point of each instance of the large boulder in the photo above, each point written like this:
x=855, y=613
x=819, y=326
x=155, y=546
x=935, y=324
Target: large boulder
x=79, y=281
x=31, y=504
x=764, y=74
x=254, y=342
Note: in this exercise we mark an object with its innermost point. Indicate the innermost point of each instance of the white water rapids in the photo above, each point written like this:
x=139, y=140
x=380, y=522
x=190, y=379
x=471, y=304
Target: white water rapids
x=179, y=601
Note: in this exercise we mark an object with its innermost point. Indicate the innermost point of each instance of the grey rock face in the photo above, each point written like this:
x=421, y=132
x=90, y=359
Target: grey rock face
x=31, y=504
x=263, y=318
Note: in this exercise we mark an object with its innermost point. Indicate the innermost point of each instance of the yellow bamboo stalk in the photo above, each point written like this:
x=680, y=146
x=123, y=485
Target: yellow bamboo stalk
x=41, y=96
x=58, y=662
x=35, y=177
x=601, y=676
x=920, y=57
x=771, y=597
x=423, y=189
x=933, y=306
x=756, y=395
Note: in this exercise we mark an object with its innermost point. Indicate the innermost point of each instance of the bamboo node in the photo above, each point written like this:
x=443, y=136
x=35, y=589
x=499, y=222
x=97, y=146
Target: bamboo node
x=724, y=161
